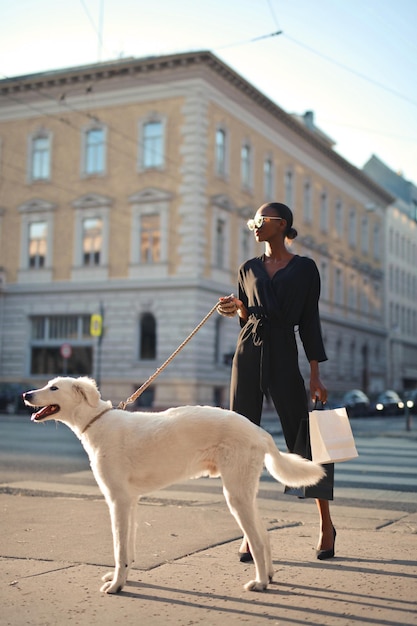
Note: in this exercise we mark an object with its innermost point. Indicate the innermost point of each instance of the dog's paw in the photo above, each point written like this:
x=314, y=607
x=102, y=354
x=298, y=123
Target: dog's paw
x=111, y=587
x=255, y=585
x=108, y=576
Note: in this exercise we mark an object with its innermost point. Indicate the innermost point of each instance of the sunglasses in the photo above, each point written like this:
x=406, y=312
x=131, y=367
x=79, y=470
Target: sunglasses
x=258, y=220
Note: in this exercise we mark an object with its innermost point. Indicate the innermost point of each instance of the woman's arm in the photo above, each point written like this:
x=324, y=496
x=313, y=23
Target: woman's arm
x=317, y=388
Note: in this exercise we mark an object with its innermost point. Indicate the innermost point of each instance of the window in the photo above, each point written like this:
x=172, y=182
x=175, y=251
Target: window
x=220, y=157
x=289, y=187
x=92, y=240
x=324, y=280
x=245, y=165
x=352, y=292
x=364, y=297
x=221, y=355
x=150, y=209
x=36, y=232
x=220, y=243
x=352, y=358
x=48, y=333
x=365, y=235
x=217, y=340
x=91, y=237
x=37, y=244
x=150, y=238
x=246, y=238
x=268, y=179
x=324, y=213
x=40, y=158
x=352, y=228
x=339, y=361
x=147, y=348
x=377, y=242
x=153, y=145
x=338, y=287
x=307, y=204
x=94, y=156
x=339, y=219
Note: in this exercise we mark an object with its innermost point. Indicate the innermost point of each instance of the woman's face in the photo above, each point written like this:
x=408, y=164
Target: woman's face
x=270, y=228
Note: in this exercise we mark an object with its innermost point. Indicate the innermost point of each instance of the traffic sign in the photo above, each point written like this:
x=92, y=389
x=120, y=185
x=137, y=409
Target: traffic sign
x=96, y=325
x=66, y=350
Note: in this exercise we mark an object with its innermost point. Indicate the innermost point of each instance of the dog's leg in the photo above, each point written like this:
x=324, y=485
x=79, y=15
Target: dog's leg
x=120, y=507
x=242, y=504
x=132, y=535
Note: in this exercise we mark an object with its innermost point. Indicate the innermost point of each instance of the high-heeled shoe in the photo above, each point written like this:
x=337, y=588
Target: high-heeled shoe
x=245, y=557
x=322, y=555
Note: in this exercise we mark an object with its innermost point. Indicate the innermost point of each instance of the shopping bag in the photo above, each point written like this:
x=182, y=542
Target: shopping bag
x=331, y=436
x=324, y=488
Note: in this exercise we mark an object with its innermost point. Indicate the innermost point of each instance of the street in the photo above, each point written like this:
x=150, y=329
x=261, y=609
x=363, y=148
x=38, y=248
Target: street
x=387, y=460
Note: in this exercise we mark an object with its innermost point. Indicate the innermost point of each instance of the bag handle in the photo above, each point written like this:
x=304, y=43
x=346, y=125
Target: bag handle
x=316, y=401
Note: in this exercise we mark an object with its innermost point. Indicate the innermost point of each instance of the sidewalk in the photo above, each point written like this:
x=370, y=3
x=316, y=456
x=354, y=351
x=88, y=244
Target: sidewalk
x=56, y=545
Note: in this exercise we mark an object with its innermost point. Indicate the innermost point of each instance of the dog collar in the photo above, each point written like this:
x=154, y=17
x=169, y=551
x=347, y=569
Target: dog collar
x=95, y=419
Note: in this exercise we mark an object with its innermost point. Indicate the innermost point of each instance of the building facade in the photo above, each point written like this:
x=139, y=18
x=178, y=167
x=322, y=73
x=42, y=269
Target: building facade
x=126, y=188
x=400, y=275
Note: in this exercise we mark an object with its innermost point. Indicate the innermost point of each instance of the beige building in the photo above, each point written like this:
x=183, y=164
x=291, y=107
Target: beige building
x=400, y=274
x=125, y=190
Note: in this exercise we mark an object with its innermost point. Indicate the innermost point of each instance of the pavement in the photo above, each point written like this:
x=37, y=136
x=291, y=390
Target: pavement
x=55, y=544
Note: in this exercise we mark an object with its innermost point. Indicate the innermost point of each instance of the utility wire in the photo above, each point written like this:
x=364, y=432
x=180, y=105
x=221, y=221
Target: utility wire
x=352, y=71
x=246, y=41
x=93, y=24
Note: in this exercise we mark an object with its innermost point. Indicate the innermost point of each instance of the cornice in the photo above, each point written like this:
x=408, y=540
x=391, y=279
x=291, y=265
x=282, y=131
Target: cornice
x=142, y=66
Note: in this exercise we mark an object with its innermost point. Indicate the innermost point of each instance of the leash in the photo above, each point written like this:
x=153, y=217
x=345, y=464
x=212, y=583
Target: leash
x=138, y=392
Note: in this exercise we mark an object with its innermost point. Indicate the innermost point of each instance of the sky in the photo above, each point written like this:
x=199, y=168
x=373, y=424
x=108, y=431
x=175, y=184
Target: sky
x=352, y=62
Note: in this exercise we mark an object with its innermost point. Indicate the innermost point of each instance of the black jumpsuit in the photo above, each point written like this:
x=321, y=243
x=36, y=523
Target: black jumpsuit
x=266, y=357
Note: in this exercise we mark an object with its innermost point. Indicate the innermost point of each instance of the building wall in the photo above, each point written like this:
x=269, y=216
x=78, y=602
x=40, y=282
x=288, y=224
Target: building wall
x=194, y=99
x=401, y=302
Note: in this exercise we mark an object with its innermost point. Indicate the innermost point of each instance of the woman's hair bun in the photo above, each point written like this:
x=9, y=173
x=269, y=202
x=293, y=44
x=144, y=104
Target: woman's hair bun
x=292, y=233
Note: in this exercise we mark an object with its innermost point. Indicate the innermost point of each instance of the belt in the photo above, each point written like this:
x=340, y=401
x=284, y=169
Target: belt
x=261, y=336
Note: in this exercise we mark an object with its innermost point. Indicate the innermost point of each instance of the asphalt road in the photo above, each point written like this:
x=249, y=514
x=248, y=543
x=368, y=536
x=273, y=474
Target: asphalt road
x=387, y=460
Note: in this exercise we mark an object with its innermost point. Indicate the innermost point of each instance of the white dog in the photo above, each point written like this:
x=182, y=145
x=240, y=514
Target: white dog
x=134, y=453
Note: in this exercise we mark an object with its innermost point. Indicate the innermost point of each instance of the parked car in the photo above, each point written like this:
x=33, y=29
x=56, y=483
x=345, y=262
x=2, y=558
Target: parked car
x=357, y=403
x=11, y=400
x=389, y=403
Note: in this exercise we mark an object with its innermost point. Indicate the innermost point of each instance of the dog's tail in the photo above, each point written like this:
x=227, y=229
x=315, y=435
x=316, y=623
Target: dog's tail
x=291, y=469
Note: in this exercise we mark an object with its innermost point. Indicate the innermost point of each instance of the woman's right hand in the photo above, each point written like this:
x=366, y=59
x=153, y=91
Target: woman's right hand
x=228, y=306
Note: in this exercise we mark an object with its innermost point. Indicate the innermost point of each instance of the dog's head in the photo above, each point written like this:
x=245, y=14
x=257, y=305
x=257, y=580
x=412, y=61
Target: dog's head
x=61, y=397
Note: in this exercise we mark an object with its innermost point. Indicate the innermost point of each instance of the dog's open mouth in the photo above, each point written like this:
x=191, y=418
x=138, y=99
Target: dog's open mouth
x=44, y=412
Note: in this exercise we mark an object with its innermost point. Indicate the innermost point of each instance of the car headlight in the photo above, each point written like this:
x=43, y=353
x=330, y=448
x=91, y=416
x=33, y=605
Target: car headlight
x=410, y=404
x=400, y=405
x=379, y=406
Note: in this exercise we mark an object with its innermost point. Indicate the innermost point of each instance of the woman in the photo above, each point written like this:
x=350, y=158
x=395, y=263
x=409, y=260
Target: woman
x=278, y=292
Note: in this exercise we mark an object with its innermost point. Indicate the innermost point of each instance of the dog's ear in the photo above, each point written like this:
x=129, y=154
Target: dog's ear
x=87, y=389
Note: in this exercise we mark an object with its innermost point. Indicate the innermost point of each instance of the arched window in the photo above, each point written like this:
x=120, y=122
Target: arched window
x=147, y=347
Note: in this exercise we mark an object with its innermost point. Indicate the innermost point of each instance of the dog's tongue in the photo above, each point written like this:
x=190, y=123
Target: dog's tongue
x=44, y=412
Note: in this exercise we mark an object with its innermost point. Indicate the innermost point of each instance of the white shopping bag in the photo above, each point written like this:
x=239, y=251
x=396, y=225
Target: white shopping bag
x=331, y=436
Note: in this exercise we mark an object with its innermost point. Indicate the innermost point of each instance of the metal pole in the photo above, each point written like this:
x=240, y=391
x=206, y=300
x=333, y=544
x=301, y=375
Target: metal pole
x=407, y=417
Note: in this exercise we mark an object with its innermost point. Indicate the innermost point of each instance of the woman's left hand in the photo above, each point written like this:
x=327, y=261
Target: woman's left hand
x=317, y=390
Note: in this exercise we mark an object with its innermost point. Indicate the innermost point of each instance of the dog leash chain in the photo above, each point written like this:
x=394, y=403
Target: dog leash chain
x=138, y=392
